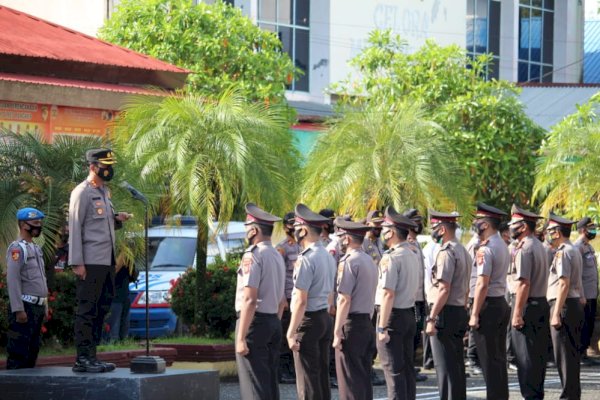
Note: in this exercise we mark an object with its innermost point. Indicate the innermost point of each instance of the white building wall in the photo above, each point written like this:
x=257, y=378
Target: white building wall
x=84, y=16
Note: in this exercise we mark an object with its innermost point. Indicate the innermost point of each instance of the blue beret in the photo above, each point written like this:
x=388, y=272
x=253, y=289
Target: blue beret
x=29, y=214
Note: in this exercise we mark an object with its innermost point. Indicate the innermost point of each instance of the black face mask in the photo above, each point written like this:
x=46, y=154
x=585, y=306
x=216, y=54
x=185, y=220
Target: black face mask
x=514, y=232
x=376, y=232
x=105, y=173
x=289, y=231
x=436, y=236
x=590, y=235
x=250, y=238
x=479, y=228
x=34, y=231
x=419, y=229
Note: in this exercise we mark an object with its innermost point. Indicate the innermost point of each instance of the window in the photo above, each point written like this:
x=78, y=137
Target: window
x=536, y=35
x=483, y=32
x=290, y=20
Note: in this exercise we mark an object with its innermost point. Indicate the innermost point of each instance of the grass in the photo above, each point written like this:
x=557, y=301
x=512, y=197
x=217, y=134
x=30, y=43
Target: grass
x=56, y=349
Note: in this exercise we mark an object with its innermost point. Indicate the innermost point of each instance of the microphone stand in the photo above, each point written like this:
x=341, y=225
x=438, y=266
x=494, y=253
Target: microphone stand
x=146, y=364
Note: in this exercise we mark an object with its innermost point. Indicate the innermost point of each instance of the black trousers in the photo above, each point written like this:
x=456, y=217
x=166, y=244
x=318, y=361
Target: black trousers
x=530, y=344
x=94, y=295
x=471, y=347
x=588, y=324
x=286, y=359
x=354, y=361
x=510, y=353
x=490, y=340
x=566, y=342
x=447, y=348
x=257, y=371
x=312, y=360
x=420, y=315
x=23, y=344
x=397, y=355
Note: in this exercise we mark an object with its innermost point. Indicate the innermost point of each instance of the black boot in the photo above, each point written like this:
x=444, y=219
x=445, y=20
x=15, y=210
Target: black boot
x=85, y=364
x=107, y=366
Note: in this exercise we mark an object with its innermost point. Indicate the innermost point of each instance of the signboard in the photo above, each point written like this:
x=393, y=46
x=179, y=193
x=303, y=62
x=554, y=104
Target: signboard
x=49, y=120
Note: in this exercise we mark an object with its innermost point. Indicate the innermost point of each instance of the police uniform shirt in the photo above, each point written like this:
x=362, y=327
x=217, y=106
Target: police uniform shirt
x=420, y=295
x=262, y=267
x=357, y=277
x=24, y=277
x=335, y=249
x=452, y=265
x=492, y=260
x=374, y=248
x=589, y=274
x=289, y=250
x=472, y=247
x=91, y=225
x=567, y=264
x=314, y=272
x=529, y=261
x=398, y=272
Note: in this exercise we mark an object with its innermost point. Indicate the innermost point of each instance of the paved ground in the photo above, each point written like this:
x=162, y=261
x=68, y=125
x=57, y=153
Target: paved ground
x=427, y=390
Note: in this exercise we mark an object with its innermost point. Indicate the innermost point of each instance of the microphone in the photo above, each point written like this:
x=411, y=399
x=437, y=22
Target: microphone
x=134, y=192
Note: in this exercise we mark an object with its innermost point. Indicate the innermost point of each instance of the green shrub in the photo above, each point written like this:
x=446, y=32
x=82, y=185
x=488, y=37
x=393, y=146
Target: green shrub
x=61, y=309
x=217, y=303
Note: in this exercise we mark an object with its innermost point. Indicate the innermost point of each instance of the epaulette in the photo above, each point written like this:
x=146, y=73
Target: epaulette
x=306, y=250
x=250, y=249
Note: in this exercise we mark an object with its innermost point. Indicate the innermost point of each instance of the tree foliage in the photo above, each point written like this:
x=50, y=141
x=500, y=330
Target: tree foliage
x=486, y=128
x=568, y=170
x=215, y=41
x=212, y=155
x=382, y=154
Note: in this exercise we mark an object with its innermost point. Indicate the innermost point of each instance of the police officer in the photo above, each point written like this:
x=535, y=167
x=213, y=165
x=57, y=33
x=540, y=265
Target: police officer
x=372, y=244
x=587, y=231
x=336, y=247
x=566, y=310
x=490, y=312
x=289, y=250
x=27, y=291
x=528, y=283
x=92, y=223
x=354, y=338
x=396, y=325
x=259, y=300
x=472, y=357
x=311, y=328
x=420, y=306
x=447, y=320
x=327, y=231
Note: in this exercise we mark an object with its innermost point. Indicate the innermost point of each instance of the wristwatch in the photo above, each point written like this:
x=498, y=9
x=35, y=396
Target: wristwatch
x=381, y=330
x=431, y=319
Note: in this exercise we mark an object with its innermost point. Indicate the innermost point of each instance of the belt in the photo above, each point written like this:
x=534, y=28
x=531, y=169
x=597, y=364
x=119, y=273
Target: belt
x=256, y=314
x=355, y=316
x=39, y=301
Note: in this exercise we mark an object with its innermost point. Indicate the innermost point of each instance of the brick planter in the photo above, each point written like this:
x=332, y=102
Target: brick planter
x=201, y=352
x=121, y=358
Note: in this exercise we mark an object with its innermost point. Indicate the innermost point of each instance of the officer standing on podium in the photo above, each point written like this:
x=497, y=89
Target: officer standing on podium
x=530, y=311
x=27, y=291
x=259, y=303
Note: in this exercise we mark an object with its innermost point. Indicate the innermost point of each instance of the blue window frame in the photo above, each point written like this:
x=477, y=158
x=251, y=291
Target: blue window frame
x=536, y=40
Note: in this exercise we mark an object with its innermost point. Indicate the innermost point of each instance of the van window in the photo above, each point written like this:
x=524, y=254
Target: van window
x=171, y=252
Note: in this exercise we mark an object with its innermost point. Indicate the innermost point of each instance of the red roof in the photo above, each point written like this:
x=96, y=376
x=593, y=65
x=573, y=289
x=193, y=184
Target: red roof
x=73, y=83
x=25, y=35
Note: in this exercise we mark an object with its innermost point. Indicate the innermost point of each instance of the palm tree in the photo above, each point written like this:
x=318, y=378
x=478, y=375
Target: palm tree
x=211, y=155
x=568, y=170
x=34, y=173
x=383, y=154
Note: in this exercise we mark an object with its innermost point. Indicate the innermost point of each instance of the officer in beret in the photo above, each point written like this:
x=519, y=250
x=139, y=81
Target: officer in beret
x=490, y=312
x=566, y=310
x=396, y=325
x=528, y=283
x=447, y=321
x=259, y=302
x=289, y=250
x=587, y=232
x=92, y=223
x=27, y=291
x=311, y=328
x=420, y=306
x=353, y=335
x=373, y=245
